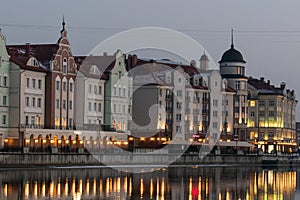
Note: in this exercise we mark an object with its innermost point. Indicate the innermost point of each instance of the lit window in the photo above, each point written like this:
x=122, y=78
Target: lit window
x=252, y=103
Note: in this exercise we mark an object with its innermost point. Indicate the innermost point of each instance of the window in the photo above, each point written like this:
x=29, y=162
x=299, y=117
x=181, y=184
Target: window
x=64, y=104
x=27, y=82
x=261, y=103
x=32, y=120
x=26, y=120
x=95, y=107
x=178, y=117
x=33, y=83
x=90, y=106
x=57, y=103
x=100, y=90
x=33, y=102
x=215, y=124
x=120, y=92
x=40, y=84
x=90, y=88
x=271, y=114
x=115, y=108
x=99, y=107
x=124, y=109
x=252, y=103
x=179, y=93
x=71, y=105
x=65, y=69
x=5, y=81
x=39, y=102
x=27, y=101
x=271, y=103
x=160, y=92
x=65, y=65
x=3, y=119
x=261, y=113
x=71, y=87
x=70, y=122
x=4, y=100
x=64, y=86
x=120, y=75
x=178, y=105
x=57, y=85
x=215, y=102
x=115, y=90
x=215, y=113
x=252, y=114
x=237, y=85
x=124, y=92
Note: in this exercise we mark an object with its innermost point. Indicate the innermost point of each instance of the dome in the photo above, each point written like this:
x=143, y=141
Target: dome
x=232, y=55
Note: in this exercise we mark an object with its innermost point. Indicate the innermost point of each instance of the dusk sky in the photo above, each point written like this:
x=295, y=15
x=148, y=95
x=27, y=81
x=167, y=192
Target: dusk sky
x=267, y=32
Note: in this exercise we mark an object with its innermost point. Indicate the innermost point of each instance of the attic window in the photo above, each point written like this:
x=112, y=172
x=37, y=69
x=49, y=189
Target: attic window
x=33, y=62
x=94, y=70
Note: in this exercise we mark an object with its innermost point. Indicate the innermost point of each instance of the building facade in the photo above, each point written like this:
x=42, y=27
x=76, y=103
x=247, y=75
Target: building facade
x=271, y=116
x=4, y=90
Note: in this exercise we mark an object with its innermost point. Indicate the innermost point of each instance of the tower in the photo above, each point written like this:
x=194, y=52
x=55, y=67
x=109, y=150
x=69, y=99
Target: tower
x=232, y=68
x=204, y=62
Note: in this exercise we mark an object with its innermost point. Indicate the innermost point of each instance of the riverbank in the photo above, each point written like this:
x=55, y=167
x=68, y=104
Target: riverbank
x=25, y=160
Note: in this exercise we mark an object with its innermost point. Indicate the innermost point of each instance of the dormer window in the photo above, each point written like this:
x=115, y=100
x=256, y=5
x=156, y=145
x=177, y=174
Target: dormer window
x=94, y=70
x=32, y=62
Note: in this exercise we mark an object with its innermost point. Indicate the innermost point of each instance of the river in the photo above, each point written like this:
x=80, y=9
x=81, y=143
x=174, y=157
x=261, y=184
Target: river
x=174, y=182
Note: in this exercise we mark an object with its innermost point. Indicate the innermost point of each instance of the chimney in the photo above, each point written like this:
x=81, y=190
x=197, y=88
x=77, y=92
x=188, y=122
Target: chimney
x=282, y=85
x=262, y=79
x=129, y=61
x=27, y=49
x=104, y=53
x=268, y=82
x=134, y=60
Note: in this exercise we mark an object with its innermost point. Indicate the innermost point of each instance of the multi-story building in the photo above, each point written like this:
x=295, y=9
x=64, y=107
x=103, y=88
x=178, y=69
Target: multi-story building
x=4, y=91
x=89, y=93
x=27, y=93
x=232, y=68
x=43, y=84
x=191, y=99
x=118, y=97
x=271, y=116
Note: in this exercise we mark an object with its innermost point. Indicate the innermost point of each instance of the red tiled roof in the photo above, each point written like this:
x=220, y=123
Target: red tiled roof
x=42, y=52
x=22, y=62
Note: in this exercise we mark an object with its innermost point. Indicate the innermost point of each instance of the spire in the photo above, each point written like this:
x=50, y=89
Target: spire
x=63, y=32
x=232, y=46
x=63, y=23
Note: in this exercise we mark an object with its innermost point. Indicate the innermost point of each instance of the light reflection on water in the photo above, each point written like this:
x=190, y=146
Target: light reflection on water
x=172, y=183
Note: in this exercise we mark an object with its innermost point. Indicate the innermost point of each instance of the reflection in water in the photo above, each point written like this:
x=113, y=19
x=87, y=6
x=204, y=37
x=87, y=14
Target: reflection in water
x=172, y=183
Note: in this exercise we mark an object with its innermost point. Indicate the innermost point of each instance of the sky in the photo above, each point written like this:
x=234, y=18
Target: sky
x=266, y=32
